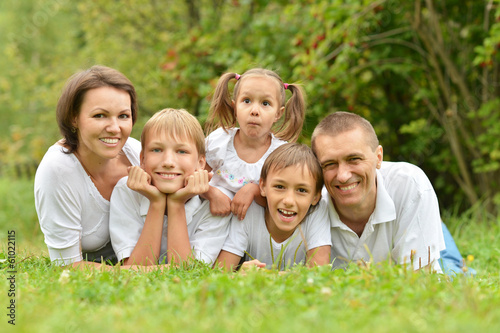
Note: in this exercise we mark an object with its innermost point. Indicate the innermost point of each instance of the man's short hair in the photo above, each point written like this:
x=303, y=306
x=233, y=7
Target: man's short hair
x=340, y=122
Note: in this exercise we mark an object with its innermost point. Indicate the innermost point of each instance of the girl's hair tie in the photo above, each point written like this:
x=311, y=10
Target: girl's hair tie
x=285, y=85
x=237, y=76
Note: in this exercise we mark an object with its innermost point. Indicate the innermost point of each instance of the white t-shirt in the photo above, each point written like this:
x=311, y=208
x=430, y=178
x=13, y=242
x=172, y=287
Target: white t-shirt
x=251, y=235
x=128, y=212
x=73, y=215
x=230, y=172
x=406, y=218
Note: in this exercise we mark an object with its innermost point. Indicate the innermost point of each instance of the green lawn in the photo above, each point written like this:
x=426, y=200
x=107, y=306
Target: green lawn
x=381, y=298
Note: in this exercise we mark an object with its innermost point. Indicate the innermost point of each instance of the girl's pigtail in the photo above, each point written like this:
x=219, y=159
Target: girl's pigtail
x=293, y=119
x=221, y=112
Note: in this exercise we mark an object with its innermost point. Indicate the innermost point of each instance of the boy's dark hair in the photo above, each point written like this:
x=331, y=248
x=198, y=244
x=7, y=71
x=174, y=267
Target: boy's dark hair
x=292, y=154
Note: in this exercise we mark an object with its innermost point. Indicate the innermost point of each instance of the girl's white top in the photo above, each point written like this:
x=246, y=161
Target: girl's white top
x=231, y=173
x=73, y=215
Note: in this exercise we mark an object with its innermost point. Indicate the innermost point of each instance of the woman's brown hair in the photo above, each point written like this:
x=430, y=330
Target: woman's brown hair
x=70, y=102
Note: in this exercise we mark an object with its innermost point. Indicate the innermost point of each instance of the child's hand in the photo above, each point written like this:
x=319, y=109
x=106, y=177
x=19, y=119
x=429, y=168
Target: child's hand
x=195, y=184
x=140, y=181
x=220, y=204
x=252, y=264
x=243, y=199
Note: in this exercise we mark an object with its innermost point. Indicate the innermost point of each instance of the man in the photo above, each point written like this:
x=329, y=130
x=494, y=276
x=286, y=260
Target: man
x=378, y=210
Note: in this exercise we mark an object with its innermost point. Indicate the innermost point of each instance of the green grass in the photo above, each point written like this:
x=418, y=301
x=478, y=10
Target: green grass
x=379, y=298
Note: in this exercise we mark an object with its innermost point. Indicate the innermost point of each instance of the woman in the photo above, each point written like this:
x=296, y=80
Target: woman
x=74, y=181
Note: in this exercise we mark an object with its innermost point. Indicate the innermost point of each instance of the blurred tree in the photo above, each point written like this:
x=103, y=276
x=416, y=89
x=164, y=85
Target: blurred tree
x=424, y=72
x=38, y=48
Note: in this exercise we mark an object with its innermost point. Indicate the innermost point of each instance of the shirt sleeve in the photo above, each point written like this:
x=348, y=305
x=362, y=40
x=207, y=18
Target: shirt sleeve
x=58, y=206
x=125, y=220
x=318, y=228
x=216, y=146
x=210, y=235
x=419, y=228
x=238, y=238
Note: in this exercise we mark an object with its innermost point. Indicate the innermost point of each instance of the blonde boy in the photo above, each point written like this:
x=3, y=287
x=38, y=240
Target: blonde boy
x=166, y=187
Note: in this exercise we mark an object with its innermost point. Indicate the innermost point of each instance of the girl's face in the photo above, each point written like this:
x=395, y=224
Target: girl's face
x=257, y=106
x=104, y=123
x=290, y=192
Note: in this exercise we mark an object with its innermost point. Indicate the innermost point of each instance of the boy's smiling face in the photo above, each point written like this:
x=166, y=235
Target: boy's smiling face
x=170, y=160
x=290, y=192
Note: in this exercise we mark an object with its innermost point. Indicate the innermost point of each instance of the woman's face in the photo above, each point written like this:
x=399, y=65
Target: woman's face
x=104, y=123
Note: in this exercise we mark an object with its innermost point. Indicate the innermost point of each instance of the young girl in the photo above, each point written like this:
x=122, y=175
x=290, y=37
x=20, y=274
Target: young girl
x=293, y=228
x=235, y=155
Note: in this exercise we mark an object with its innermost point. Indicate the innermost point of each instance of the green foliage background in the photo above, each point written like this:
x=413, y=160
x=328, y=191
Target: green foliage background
x=424, y=72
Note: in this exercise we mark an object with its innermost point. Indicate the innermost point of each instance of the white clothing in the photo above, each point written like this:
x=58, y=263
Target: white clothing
x=231, y=173
x=128, y=212
x=251, y=235
x=73, y=215
x=406, y=218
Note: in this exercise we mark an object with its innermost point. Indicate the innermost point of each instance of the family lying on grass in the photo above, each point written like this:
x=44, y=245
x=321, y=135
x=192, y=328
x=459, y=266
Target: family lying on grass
x=241, y=197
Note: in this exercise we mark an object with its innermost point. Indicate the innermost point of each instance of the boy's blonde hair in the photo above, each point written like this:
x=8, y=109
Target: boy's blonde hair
x=176, y=123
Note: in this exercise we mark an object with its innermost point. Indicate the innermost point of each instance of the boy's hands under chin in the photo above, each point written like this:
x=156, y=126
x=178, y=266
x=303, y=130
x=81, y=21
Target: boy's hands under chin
x=140, y=181
x=195, y=184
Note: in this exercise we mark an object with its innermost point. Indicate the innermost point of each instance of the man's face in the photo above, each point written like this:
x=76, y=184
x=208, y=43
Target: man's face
x=349, y=165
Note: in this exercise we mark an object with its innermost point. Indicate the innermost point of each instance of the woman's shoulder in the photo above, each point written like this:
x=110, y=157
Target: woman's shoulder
x=58, y=169
x=132, y=149
x=133, y=144
x=57, y=158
